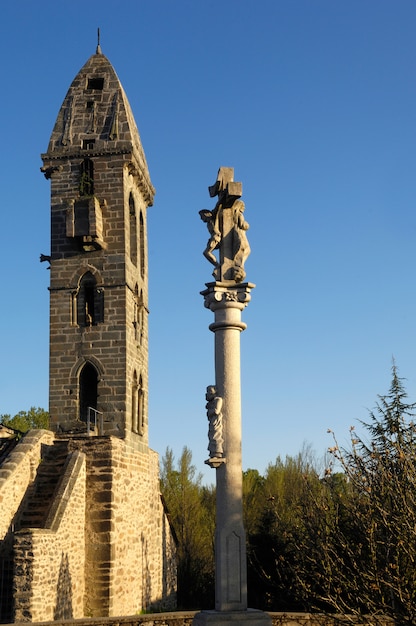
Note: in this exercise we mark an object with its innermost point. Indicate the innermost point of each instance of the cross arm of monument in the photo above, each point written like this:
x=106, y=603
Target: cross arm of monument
x=225, y=187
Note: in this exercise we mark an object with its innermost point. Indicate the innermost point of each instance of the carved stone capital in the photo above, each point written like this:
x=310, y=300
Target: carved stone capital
x=222, y=295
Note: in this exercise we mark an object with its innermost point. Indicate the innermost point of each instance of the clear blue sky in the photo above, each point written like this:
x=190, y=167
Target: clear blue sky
x=313, y=102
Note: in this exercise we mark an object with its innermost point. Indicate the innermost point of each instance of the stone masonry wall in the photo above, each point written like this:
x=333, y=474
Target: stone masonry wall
x=98, y=522
x=49, y=563
x=130, y=551
x=144, y=547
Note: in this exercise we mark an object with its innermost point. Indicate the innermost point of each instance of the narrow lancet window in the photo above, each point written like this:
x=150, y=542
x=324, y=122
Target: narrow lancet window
x=142, y=248
x=136, y=313
x=133, y=230
x=90, y=302
x=140, y=406
x=134, y=401
x=137, y=406
x=86, y=180
x=88, y=390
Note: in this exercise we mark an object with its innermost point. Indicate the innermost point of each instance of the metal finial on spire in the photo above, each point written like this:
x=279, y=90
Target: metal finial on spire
x=98, y=51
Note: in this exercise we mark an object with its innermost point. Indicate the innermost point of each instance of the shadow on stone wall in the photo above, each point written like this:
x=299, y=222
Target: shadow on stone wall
x=7, y=566
x=165, y=569
x=63, y=608
x=6, y=583
x=23, y=576
x=146, y=577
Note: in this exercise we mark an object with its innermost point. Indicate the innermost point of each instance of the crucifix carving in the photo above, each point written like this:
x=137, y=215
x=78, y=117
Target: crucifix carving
x=227, y=228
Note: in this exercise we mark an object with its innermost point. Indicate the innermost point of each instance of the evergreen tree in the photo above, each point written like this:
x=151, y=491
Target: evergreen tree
x=363, y=557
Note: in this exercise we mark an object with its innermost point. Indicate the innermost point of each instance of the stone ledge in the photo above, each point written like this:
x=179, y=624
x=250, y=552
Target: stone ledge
x=250, y=617
x=185, y=618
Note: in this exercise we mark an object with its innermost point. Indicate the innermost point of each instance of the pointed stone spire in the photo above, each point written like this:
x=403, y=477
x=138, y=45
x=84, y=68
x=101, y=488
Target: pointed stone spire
x=96, y=119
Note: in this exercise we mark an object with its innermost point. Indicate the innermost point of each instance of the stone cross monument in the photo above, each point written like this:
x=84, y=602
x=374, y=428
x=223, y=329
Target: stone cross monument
x=226, y=297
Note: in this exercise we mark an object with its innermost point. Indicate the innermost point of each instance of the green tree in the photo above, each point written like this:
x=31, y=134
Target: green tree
x=361, y=539
x=23, y=421
x=276, y=531
x=253, y=499
x=191, y=508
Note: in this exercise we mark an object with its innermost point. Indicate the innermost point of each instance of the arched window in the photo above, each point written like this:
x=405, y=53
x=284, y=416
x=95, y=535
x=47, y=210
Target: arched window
x=86, y=179
x=142, y=247
x=90, y=302
x=133, y=230
x=137, y=405
x=136, y=313
x=141, y=319
x=134, y=399
x=140, y=408
x=88, y=390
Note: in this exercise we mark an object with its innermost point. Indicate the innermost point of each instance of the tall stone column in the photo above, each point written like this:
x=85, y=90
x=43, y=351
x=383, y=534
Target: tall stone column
x=230, y=550
x=226, y=298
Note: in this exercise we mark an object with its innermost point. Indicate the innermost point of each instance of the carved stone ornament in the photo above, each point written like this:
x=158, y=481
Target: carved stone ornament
x=222, y=296
x=215, y=430
x=48, y=170
x=227, y=228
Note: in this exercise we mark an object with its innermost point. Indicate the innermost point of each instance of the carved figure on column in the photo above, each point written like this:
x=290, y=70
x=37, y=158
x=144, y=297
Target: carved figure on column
x=211, y=220
x=227, y=227
x=215, y=433
x=241, y=245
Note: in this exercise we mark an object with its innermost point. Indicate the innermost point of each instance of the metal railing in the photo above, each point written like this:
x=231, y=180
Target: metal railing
x=95, y=420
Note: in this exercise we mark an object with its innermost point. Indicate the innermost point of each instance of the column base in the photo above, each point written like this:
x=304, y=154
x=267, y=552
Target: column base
x=250, y=617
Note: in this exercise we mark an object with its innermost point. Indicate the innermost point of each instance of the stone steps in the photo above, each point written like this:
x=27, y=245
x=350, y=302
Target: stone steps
x=47, y=478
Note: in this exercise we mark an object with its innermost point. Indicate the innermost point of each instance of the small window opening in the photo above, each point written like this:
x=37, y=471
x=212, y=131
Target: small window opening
x=86, y=179
x=90, y=104
x=95, y=83
x=88, y=144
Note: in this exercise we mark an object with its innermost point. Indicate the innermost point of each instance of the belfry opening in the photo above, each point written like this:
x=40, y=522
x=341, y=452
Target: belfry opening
x=88, y=392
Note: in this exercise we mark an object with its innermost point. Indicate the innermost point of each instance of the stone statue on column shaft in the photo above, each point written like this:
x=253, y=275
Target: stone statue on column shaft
x=227, y=228
x=215, y=428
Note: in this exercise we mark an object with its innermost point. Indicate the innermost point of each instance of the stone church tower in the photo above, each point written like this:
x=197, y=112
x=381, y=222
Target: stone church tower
x=100, y=191
x=84, y=532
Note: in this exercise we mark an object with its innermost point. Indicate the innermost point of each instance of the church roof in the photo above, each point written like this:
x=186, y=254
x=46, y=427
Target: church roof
x=96, y=118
